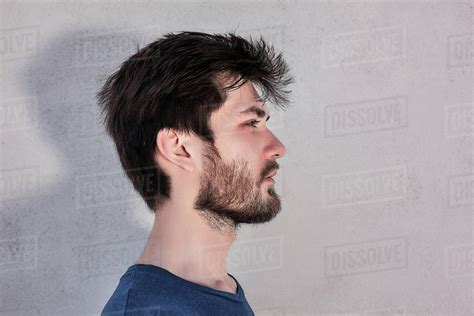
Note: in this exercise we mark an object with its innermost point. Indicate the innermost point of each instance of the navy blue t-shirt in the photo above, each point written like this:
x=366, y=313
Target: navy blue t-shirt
x=146, y=289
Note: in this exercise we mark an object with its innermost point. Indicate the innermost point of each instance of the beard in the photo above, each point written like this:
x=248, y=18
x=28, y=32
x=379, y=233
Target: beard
x=229, y=195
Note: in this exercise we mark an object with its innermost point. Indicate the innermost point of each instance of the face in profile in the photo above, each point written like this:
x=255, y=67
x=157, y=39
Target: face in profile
x=234, y=188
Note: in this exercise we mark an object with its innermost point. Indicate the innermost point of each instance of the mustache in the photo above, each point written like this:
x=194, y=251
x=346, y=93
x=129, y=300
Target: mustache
x=269, y=168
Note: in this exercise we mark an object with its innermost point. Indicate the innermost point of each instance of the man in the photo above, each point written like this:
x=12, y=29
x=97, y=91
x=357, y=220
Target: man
x=190, y=131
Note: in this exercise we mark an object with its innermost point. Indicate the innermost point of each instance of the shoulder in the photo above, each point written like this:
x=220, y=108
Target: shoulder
x=159, y=301
x=151, y=295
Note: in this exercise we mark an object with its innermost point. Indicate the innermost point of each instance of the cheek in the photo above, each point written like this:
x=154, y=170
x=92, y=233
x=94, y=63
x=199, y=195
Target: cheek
x=241, y=146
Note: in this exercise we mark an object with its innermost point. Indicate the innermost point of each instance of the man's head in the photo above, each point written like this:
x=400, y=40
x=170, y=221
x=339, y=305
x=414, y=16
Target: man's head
x=178, y=112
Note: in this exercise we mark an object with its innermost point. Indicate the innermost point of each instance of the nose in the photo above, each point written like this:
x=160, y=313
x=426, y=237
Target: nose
x=276, y=148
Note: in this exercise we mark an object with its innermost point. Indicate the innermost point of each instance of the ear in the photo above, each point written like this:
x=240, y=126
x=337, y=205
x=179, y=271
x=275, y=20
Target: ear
x=175, y=147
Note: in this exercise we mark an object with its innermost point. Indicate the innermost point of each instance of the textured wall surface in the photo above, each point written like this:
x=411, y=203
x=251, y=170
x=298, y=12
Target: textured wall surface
x=377, y=184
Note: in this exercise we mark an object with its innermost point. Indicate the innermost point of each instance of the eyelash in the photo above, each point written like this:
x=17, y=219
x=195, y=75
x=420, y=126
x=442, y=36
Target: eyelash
x=251, y=123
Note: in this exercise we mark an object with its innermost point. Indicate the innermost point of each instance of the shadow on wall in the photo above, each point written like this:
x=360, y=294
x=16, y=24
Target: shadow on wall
x=89, y=225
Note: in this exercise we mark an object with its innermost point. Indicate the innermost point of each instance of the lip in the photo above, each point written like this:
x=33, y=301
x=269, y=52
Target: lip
x=272, y=174
x=269, y=179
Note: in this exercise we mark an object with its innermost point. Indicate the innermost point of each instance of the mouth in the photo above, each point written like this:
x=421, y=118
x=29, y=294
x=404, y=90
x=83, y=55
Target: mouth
x=269, y=177
x=272, y=174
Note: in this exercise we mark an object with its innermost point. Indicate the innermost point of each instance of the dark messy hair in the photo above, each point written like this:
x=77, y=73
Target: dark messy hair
x=175, y=82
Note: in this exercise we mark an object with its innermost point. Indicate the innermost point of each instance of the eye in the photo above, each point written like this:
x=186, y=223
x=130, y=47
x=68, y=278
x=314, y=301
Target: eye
x=252, y=123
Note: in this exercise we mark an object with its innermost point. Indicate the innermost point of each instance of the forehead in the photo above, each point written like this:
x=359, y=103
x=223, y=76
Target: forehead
x=240, y=99
x=229, y=117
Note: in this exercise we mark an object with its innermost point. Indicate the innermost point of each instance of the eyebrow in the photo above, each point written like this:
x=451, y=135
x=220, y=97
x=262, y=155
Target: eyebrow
x=255, y=110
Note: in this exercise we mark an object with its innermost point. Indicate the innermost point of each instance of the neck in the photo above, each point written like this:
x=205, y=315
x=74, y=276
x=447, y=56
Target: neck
x=184, y=243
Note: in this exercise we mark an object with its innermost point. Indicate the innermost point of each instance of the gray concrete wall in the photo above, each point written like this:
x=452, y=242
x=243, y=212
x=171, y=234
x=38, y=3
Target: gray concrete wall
x=377, y=184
